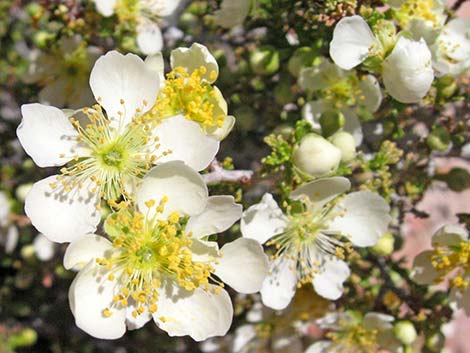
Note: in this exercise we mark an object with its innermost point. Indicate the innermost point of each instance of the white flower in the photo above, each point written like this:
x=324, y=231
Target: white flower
x=188, y=90
x=232, y=12
x=407, y=71
x=423, y=18
x=4, y=209
x=64, y=73
x=43, y=247
x=353, y=42
x=316, y=156
x=346, y=144
x=107, y=153
x=159, y=263
x=144, y=14
x=448, y=259
x=341, y=90
x=310, y=245
x=9, y=234
x=451, y=51
x=350, y=332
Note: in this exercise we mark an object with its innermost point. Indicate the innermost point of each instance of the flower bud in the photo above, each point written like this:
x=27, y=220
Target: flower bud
x=302, y=57
x=458, y=179
x=435, y=343
x=265, y=60
x=24, y=338
x=346, y=143
x=316, y=156
x=385, y=245
x=405, y=332
x=438, y=139
x=22, y=191
x=385, y=32
x=407, y=71
x=331, y=121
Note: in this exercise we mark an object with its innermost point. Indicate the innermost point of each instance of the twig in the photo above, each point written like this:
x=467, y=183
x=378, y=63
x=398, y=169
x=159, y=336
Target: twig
x=219, y=174
x=457, y=5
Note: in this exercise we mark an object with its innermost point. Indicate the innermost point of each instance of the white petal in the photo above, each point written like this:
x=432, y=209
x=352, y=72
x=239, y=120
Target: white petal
x=61, y=216
x=232, y=13
x=320, y=347
x=366, y=218
x=312, y=112
x=105, y=7
x=423, y=271
x=221, y=132
x=186, y=141
x=280, y=286
x=407, y=71
x=352, y=125
x=378, y=321
x=371, y=93
x=156, y=64
x=149, y=38
x=115, y=77
x=43, y=247
x=90, y=293
x=134, y=323
x=449, y=235
x=193, y=58
x=243, y=265
x=329, y=282
x=85, y=249
x=12, y=237
x=321, y=191
x=4, y=209
x=199, y=314
x=320, y=77
x=164, y=8
x=186, y=191
x=263, y=220
x=45, y=133
x=220, y=214
x=242, y=337
x=352, y=39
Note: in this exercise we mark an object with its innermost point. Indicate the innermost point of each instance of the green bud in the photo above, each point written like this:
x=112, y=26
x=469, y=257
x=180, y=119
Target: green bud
x=27, y=252
x=265, y=60
x=438, y=139
x=435, y=343
x=385, y=245
x=302, y=57
x=40, y=38
x=405, y=332
x=446, y=86
x=25, y=338
x=458, y=179
x=346, y=143
x=188, y=21
x=331, y=121
x=34, y=9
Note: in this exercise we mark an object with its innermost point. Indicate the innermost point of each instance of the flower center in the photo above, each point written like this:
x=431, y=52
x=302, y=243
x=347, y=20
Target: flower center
x=113, y=158
x=354, y=337
x=150, y=252
x=306, y=241
x=447, y=259
x=191, y=96
x=417, y=9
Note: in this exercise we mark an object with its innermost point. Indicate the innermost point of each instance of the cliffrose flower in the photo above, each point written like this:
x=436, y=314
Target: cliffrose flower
x=354, y=333
x=188, y=90
x=451, y=51
x=160, y=264
x=142, y=13
x=310, y=245
x=64, y=73
x=449, y=259
x=107, y=152
x=407, y=71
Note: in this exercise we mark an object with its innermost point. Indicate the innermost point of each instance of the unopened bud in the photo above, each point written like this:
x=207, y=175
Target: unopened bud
x=265, y=60
x=346, y=143
x=438, y=139
x=316, y=156
x=405, y=332
x=385, y=245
